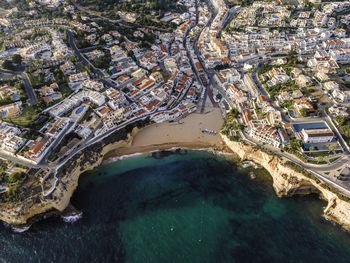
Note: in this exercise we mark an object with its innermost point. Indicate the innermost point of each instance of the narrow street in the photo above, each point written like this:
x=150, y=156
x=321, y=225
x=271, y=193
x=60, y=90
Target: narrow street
x=32, y=99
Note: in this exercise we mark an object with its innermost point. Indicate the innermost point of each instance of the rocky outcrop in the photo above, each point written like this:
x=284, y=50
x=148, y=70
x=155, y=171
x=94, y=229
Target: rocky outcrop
x=288, y=181
x=29, y=211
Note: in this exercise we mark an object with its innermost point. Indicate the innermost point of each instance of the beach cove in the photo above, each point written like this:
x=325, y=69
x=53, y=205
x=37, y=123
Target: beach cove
x=189, y=206
x=184, y=134
x=187, y=134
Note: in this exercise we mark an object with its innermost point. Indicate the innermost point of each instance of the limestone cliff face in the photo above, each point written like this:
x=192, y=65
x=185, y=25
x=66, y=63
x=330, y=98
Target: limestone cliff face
x=288, y=182
x=66, y=185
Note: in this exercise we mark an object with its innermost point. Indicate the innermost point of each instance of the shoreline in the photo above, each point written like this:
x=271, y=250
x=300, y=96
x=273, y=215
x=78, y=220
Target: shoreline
x=121, y=153
x=164, y=136
x=282, y=189
x=287, y=181
x=155, y=137
x=112, y=156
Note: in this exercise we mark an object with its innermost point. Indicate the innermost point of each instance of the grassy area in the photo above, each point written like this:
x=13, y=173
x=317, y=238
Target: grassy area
x=277, y=89
x=3, y=167
x=65, y=90
x=265, y=68
x=343, y=124
x=230, y=126
x=2, y=46
x=287, y=104
x=319, y=154
x=36, y=81
x=334, y=159
x=5, y=101
x=345, y=68
x=103, y=62
x=27, y=117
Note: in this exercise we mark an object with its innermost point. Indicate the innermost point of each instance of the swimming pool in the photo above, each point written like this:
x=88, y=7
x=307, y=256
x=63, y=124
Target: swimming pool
x=79, y=110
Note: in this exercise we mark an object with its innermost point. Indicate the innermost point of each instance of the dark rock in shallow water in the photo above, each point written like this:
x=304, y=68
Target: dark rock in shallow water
x=33, y=220
x=162, y=154
x=165, y=153
x=71, y=214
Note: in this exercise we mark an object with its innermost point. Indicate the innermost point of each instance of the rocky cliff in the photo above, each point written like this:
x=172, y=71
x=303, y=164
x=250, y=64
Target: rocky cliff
x=288, y=181
x=31, y=210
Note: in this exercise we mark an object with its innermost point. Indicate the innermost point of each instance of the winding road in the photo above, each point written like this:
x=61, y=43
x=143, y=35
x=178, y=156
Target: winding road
x=32, y=99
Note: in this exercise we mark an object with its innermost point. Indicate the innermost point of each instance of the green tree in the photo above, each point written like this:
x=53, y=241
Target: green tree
x=17, y=59
x=13, y=177
x=234, y=112
x=304, y=112
x=296, y=144
x=312, y=148
x=7, y=64
x=320, y=159
x=341, y=120
x=131, y=54
x=319, y=113
x=287, y=104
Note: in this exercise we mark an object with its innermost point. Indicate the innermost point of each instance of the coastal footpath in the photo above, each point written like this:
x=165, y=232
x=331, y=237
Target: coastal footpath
x=68, y=179
x=289, y=181
x=141, y=138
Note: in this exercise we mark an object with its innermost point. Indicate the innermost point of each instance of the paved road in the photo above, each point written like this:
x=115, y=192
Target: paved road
x=32, y=99
x=18, y=160
x=316, y=169
x=286, y=118
x=188, y=50
x=208, y=91
x=100, y=73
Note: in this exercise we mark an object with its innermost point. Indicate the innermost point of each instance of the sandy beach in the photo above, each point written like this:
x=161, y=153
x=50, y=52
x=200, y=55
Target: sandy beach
x=184, y=134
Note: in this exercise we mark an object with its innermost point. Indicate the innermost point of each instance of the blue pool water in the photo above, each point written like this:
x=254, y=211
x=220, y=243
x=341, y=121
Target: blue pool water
x=80, y=109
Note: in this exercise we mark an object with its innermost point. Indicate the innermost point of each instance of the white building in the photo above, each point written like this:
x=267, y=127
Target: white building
x=73, y=101
x=266, y=134
x=317, y=135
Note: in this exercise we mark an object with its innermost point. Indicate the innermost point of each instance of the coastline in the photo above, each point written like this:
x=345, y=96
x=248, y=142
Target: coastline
x=124, y=152
x=155, y=137
x=287, y=181
x=164, y=136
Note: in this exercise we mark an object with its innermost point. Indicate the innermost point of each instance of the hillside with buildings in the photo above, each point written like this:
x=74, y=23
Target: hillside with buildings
x=73, y=74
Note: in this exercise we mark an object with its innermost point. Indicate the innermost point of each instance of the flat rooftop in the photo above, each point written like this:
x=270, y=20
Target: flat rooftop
x=319, y=125
x=319, y=132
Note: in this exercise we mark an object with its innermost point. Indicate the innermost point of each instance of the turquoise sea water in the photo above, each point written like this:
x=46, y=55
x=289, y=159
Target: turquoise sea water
x=188, y=207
